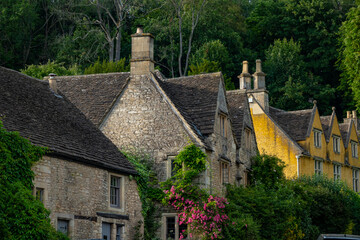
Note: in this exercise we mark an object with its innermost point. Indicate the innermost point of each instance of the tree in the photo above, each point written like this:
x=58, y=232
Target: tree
x=21, y=215
x=43, y=70
x=349, y=57
x=291, y=84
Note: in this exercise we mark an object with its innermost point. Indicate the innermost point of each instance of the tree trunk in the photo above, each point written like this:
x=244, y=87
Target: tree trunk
x=118, y=45
x=111, y=51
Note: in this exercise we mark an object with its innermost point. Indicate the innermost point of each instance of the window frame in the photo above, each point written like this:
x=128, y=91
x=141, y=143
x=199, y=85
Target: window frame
x=354, y=149
x=248, y=134
x=121, y=192
x=317, y=138
x=222, y=175
x=223, y=125
x=318, y=167
x=355, y=176
x=336, y=143
x=165, y=216
x=68, y=225
x=337, y=172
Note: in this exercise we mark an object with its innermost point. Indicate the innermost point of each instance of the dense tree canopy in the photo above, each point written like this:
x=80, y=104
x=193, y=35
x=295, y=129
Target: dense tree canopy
x=193, y=37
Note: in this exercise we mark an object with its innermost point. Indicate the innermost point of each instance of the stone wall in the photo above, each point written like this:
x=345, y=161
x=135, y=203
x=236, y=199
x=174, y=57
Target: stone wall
x=143, y=120
x=77, y=193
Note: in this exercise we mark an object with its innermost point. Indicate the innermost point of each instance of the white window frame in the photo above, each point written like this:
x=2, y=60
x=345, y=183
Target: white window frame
x=355, y=180
x=354, y=149
x=318, y=167
x=337, y=172
x=121, y=193
x=336, y=144
x=317, y=138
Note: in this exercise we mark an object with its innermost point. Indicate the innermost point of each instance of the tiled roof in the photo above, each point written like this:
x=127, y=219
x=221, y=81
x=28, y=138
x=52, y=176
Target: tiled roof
x=31, y=108
x=326, y=125
x=196, y=98
x=295, y=123
x=345, y=130
x=237, y=102
x=93, y=94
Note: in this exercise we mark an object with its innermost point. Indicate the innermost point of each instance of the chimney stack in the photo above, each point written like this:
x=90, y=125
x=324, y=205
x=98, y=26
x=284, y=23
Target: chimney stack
x=348, y=114
x=259, y=76
x=52, y=82
x=142, y=53
x=245, y=77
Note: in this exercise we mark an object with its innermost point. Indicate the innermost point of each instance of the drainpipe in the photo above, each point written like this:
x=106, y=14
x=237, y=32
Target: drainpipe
x=298, y=165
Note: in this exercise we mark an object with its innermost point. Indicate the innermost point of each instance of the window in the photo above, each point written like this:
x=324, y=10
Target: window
x=336, y=144
x=106, y=231
x=337, y=172
x=222, y=125
x=172, y=229
x=39, y=194
x=119, y=232
x=63, y=226
x=171, y=166
x=317, y=138
x=115, y=192
x=354, y=149
x=224, y=172
x=247, y=138
x=356, y=180
x=318, y=167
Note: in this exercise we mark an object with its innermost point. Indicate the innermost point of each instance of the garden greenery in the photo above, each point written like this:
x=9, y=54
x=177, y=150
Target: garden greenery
x=21, y=215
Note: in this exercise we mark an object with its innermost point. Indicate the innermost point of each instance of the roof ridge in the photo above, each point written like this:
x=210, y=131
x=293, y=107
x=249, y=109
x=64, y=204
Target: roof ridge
x=94, y=74
x=20, y=73
x=191, y=76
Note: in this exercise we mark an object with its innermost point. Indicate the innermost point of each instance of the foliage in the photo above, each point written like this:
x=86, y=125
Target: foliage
x=149, y=192
x=349, y=57
x=267, y=170
x=43, y=70
x=203, y=66
x=291, y=85
x=108, y=67
x=21, y=216
x=203, y=213
x=291, y=209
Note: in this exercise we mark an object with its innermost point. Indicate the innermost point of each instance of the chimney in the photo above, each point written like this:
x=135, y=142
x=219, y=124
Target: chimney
x=142, y=53
x=259, y=76
x=348, y=114
x=245, y=77
x=52, y=82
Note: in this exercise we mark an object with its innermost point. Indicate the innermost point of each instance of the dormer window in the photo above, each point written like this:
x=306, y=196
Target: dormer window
x=223, y=125
x=354, y=149
x=317, y=138
x=336, y=144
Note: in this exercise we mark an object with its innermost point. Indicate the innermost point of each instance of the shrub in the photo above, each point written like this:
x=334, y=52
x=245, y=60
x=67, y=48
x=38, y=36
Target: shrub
x=108, y=67
x=43, y=70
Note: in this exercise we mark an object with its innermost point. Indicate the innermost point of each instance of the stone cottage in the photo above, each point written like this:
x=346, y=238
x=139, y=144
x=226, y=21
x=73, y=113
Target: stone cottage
x=83, y=179
x=307, y=142
x=157, y=115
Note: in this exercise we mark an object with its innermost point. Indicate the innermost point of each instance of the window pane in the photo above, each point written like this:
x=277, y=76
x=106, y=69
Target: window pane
x=63, y=226
x=115, y=191
x=170, y=228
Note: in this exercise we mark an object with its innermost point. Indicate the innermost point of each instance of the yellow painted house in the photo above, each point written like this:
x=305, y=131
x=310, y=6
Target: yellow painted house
x=307, y=142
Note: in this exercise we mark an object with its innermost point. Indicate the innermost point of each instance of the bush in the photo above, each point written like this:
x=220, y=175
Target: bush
x=41, y=71
x=108, y=67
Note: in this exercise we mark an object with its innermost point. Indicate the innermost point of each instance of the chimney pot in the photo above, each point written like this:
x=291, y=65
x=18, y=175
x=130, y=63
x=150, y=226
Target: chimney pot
x=52, y=82
x=348, y=114
x=354, y=114
x=139, y=30
x=333, y=109
x=245, y=67
x=258, y=65
x=314, y=102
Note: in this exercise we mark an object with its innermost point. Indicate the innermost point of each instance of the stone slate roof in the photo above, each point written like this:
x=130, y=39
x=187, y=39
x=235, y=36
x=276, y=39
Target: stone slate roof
x=237, y=102
x=326, y=122
x=345, y=130
x=295, y=123
x=93, y=94
x=196, y=98
x=28, y=106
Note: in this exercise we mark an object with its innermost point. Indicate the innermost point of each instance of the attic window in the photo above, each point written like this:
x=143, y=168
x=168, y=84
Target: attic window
x=336, y=144
x=354, y=149
x=247, y=138
x=223, y=125
x=224, y=172
x=317, y=138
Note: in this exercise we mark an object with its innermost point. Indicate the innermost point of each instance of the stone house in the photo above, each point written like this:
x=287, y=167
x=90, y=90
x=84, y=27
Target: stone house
x=307, y=142
x=83, y=179
x=148, y=112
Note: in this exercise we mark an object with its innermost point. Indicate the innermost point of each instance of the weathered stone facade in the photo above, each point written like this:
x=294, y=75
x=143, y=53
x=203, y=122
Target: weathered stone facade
x=80, y=194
